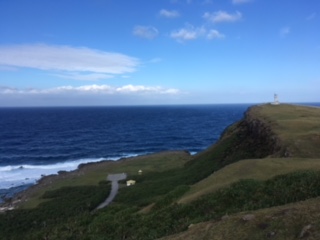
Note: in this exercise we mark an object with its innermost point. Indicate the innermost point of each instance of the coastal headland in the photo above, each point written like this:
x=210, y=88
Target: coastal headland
x=261, y=180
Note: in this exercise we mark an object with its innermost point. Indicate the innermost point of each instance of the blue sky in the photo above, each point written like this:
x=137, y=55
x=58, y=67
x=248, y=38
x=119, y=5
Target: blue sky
x=142, y=52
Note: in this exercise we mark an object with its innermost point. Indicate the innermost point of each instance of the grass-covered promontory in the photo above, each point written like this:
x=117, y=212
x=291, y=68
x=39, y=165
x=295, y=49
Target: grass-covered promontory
x=261, y=180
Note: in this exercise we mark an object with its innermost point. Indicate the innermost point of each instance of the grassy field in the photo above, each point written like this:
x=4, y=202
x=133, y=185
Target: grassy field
x=297, y=126
x=92, y=174
x=259, y=169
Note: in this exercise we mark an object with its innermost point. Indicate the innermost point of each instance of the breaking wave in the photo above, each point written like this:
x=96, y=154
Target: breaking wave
x=16, y=175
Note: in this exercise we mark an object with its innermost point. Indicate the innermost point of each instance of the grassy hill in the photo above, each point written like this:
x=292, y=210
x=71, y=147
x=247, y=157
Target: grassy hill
x=270, y=158
x=291, y=221
x=259, y=169
x=270, y=131
x=297, y=127
x=93, y=174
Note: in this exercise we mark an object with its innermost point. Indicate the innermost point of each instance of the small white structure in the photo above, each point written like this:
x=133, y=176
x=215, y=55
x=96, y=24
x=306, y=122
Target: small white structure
x=276, y=100
x=131, y=182
x=140, y=172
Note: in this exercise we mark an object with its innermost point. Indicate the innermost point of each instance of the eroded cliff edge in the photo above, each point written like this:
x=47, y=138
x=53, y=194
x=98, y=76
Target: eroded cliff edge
x=268, y=131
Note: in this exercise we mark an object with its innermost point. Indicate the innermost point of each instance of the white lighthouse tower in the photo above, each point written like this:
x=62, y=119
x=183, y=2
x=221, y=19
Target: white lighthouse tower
x=276, y=100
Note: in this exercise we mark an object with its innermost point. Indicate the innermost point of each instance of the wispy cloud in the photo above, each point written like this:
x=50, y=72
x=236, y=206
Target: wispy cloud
x=147, y=32
x=311, y=17
x=205, y=2
x=188, y=33
x=214, y=34
x=181, y=1
x=8, y=68
x=191, y=33
x=241, y=1
x=284, y=31
x=155, y=60
x=93, y=89
x=222, y=16
x=75, y=62
x=169, y=14
x=146, y=89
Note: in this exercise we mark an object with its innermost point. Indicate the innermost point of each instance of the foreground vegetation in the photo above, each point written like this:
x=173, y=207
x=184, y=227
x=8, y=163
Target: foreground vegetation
x=64, y=218
x=178, y=192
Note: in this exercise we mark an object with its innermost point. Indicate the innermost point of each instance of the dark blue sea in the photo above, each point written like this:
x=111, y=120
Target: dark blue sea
x=42, y=141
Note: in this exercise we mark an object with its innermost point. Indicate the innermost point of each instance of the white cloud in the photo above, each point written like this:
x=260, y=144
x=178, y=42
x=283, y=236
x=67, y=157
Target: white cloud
x=168, y=13
x=188, y=33
x=148, y=32
x=146, y=89
x=191, y=33
x=240, y=1
x=222, y=16
x=214, y=34
x=81, y=89
x=78, y=60
x=284, y=31
x=92, y=89
x=8, y=90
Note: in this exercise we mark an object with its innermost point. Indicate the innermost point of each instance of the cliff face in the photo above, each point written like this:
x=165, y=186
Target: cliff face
x=252, y=137
x=259, y=138
x=282, y=131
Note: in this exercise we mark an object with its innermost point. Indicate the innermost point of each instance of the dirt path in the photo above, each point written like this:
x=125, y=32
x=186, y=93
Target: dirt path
x=114, y=178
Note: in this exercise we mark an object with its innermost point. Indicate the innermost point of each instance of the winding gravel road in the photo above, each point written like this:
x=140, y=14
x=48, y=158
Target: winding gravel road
x=114, y=178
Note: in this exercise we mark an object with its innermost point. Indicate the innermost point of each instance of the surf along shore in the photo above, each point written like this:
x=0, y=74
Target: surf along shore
x=95, y=172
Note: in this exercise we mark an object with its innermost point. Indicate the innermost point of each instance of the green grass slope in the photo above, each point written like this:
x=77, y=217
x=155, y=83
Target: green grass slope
x=269, y=130
x=93, y=174
x=266, y=131
x=259, y=169
x=297, y=127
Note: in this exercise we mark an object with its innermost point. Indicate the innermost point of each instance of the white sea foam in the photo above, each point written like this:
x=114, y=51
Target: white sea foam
x=17, y=175
x=13, y=176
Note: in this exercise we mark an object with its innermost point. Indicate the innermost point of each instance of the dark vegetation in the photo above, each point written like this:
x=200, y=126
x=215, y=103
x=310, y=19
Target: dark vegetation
x=64, y=218
x=63, y=206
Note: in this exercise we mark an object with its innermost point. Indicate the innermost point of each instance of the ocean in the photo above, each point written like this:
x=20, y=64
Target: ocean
x=40, y=141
